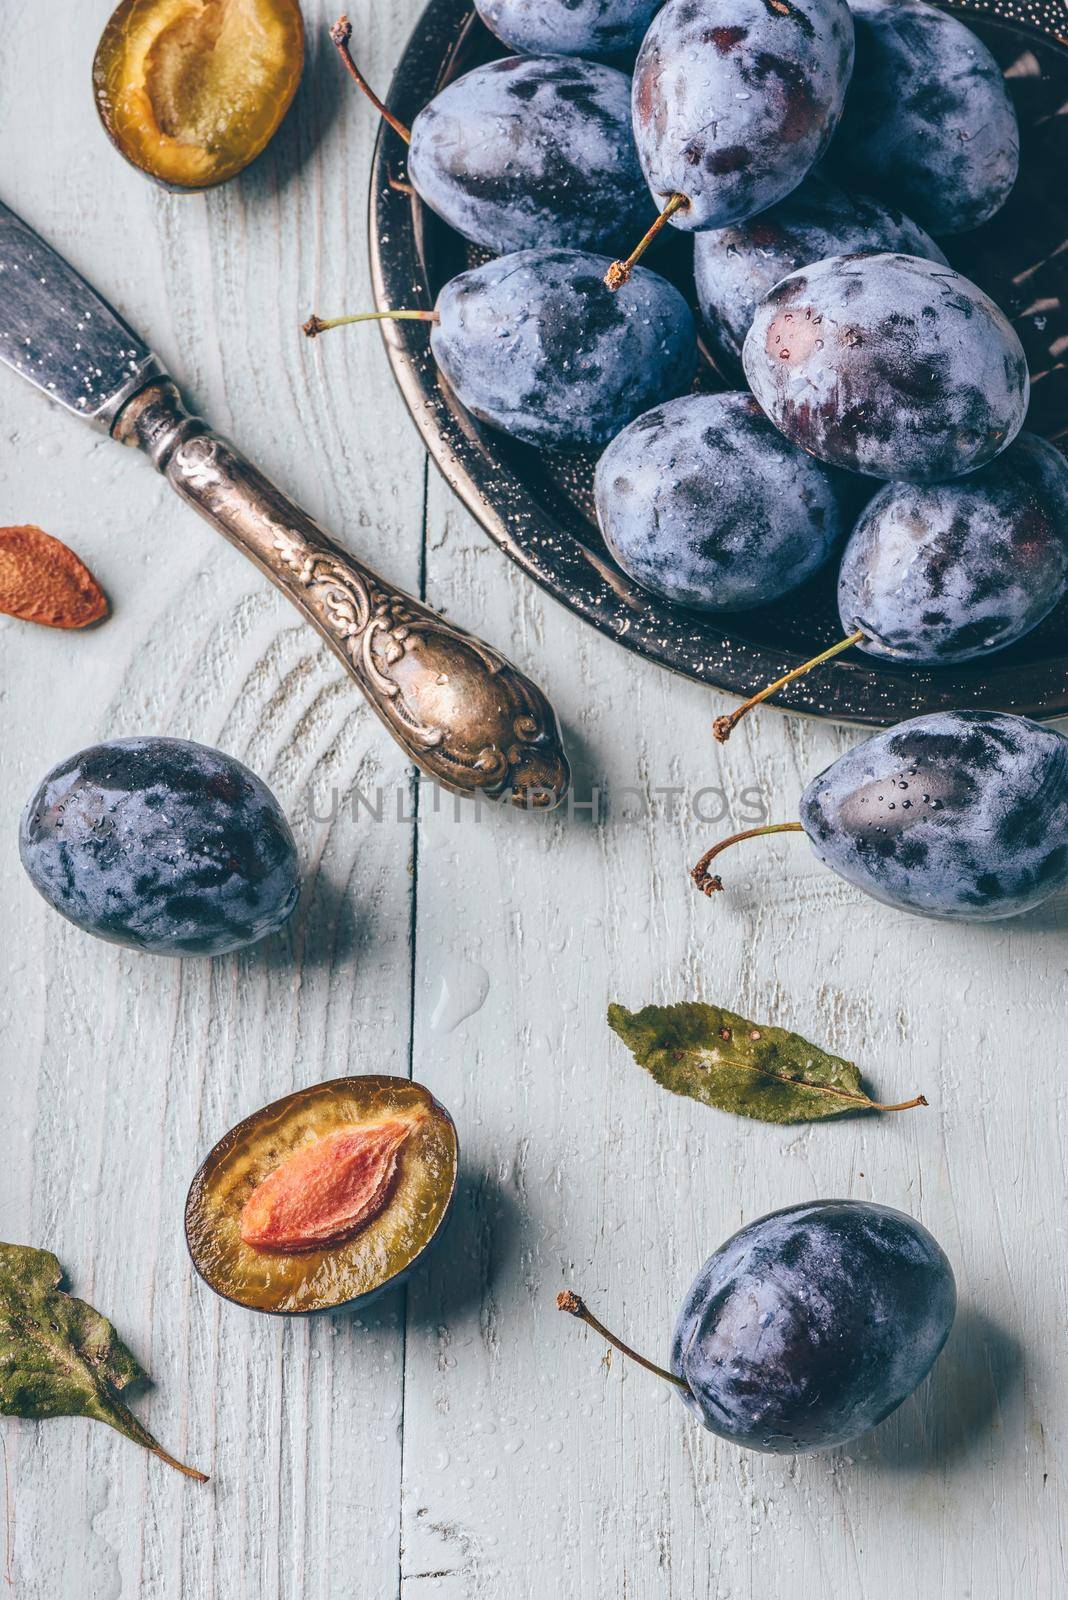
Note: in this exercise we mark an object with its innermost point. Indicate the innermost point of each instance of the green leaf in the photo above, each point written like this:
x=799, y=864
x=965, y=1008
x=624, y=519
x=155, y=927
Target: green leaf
x=719, y=1058
x=59, y=1357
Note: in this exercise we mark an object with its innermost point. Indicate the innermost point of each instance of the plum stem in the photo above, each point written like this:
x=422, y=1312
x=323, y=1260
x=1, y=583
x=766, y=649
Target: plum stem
x=179, y=1466
x=902, y=1105
x=315, y=325
x=575, y=1306
x=341, y=35
x=709, y=884
x=620, y=271
x=723, y=727
x=137, y=1431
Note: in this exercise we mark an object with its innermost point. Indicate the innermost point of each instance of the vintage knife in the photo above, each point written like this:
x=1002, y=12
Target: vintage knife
x=463, y=713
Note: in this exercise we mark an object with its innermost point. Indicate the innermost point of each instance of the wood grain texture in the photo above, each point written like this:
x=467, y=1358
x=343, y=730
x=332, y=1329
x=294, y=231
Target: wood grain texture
x=464, y=1440
x=123, y=1071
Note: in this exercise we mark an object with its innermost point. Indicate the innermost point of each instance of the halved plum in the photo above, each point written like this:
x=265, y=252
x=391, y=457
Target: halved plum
x=191, y=91
x=324, y=1198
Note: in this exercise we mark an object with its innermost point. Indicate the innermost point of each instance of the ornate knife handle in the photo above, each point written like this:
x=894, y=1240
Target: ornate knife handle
x=463, y=713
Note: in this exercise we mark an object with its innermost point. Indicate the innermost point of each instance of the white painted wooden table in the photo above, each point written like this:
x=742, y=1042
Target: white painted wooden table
x=462, y=1439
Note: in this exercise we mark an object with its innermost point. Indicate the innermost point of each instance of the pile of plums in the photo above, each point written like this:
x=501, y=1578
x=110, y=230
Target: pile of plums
x=815, y=149
x=812, y=148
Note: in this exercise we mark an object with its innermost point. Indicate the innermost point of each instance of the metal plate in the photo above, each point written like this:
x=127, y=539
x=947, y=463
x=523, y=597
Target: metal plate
x=537, y=506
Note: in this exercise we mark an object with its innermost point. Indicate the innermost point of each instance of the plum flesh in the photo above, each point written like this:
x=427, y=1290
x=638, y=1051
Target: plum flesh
x=190, y=93
x=960, y=815
x=532, y=150
x=702, y=501
x=811, y=1325
x=736, y=100
x=536, y=345
x=162, y=845
x=928, y=122
x=606, y=30
x=736, y=267
x=942, y=573
x=888, y=365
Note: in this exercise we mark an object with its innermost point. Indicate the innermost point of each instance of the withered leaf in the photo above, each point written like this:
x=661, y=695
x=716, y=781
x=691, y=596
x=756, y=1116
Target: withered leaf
x=42, y=580
x=719, y=1058
x=59, y=1357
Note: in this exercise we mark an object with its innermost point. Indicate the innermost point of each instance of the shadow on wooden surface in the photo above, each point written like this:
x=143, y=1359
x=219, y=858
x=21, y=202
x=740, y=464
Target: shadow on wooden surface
x=968, y=1409
x=324, y=90
x=326, y=928
x=483, y=1232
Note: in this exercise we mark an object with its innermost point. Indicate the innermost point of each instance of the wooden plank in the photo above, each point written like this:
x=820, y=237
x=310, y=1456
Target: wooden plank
x=533, y=1467
x=471, y=1440
x=121, y=1071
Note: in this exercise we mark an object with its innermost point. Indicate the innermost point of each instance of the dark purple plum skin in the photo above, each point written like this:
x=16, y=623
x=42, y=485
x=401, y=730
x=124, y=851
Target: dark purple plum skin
x=889, y=366
x=533, y=150
x=736, y=267
x=736, y=100
x=941, y=573
x=535, y=344
x=601, y=30
x=162, y=845
x=961, y=815
x=703, y=502
x=811, y=1325
x=928, y=122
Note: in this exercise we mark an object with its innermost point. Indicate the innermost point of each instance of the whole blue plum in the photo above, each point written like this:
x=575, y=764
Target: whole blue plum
x=928, y=122
x=162, y=845
x=735, y=267
x=535, y=344
x=888, y=365
x=532, y=150
x=811, y=1325
x=941, y=573
x=702, y=501
x=736, y=100
x=961, y=815
x=606, y=30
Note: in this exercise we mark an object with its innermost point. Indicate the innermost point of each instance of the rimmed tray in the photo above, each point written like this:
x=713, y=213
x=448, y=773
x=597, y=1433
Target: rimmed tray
x=537, y=506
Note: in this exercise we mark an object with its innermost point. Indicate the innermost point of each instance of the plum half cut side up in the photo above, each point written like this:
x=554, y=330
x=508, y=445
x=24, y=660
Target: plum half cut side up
x=189, y=93
x=325, y=1198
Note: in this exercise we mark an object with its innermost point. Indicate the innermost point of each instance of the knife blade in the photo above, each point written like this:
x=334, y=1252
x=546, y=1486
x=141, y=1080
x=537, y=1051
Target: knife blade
x=463, y=713
x=56, y=330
